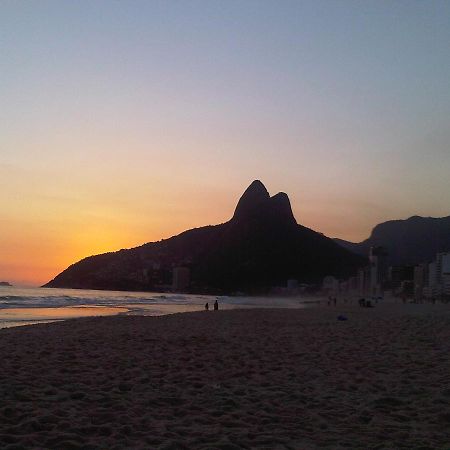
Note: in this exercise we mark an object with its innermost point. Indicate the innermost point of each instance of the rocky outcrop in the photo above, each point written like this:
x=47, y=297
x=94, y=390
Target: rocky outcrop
x=408, y=242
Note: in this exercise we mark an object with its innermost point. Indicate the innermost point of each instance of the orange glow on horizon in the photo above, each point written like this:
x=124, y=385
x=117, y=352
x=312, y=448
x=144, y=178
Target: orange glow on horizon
x=44, y=253
x=41, y=239
x=156, y=117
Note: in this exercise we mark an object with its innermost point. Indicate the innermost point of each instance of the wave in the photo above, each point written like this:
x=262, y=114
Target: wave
x=137, y=301
x=34, y=298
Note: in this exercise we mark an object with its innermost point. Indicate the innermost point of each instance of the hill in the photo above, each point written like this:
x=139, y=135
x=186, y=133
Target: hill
x=408, y=242
x=260, y=247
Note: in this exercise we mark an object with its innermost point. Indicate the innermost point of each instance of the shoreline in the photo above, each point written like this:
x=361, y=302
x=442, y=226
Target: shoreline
x=17, y=317
x=247, y=378
x=28, y=306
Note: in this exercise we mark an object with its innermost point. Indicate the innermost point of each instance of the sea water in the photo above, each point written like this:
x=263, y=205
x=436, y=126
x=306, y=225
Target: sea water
x=24, y=306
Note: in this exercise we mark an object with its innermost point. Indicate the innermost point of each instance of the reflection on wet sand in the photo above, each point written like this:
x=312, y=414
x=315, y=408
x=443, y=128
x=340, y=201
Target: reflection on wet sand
x=27, y=316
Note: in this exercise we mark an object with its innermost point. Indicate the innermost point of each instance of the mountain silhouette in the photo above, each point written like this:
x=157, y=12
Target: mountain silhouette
x=408, y=242
x=261, y=246
x=256, y=205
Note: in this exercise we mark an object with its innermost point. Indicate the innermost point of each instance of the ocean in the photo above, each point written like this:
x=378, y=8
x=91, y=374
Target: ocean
x=26, y=306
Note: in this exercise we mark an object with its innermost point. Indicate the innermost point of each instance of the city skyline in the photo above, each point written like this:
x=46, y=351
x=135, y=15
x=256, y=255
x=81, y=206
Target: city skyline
x=131, y=122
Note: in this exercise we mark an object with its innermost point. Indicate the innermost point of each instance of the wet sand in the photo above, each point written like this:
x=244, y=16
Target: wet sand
x=13, y=317
x=272, y=379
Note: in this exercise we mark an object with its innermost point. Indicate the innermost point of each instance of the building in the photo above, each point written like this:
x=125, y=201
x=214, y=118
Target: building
x=443, y=275
x=353, y=285
x=420, y=281
x=438, y=283
x=398, y=274
x=378, y=270
x=400, y=280
x=330, y=285
x=363, y=281
x=432, y=290
x=181, y=278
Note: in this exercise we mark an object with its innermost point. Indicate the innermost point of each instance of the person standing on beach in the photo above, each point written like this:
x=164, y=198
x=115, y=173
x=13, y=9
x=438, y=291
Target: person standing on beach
x=216, y=306
x=207, y=307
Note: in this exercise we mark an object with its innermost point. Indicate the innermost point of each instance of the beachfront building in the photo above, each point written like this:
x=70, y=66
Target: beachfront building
x=181, y=279
x=363, y=277
x=432, y=288
x=442, y=276
x=330, y=285
x=401, y=280
x=378, y=270
x=446, y=276
x=353, y=286
x=437, y=284
x=420, y=281
x=399, y=274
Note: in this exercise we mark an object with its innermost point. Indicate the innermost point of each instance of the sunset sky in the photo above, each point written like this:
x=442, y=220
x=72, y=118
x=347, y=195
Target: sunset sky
x=124, y=122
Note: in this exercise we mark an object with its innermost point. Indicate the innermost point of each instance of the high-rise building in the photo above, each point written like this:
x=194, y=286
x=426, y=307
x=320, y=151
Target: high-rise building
x=378, y=270
x=439, y=277
x=397, y=274
x=443, y=271
x=181, y=278
x=420, y=281
x=432, y=290
x=330, y=285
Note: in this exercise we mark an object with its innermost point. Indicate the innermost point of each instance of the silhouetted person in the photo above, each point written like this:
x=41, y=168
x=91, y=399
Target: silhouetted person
x=334, y=301
x=207, y=307
x=216, y=306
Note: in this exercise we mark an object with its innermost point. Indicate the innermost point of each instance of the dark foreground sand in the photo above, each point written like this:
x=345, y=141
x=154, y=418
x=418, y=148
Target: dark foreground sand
x=274, y=379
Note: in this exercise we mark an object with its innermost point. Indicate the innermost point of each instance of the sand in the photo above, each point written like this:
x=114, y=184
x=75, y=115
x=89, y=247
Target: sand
x=265, y=379
x=13, y=317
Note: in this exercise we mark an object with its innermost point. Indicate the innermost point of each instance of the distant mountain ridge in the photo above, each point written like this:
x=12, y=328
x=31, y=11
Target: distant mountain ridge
x=409, y=241
x=260, y=247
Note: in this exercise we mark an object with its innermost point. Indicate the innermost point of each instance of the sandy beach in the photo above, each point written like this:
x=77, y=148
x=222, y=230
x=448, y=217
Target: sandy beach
x=263, y=379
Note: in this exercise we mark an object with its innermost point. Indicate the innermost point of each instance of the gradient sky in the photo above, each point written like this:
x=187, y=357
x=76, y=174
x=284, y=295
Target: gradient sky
x=123, y=122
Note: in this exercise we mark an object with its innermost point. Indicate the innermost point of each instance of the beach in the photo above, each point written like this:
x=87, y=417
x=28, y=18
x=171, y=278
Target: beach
x=255, y=378
x=27, y=306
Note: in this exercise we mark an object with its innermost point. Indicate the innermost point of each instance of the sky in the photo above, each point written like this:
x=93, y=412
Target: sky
x=127, y=122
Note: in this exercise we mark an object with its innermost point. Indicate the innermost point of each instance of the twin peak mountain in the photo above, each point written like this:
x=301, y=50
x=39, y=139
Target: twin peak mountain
x=260, y=247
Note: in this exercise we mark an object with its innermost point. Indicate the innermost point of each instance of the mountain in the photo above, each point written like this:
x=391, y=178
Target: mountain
x=259, y=247
x=408, y=242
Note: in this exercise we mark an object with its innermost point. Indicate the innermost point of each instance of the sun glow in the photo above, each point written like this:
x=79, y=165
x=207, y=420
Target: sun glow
x=131, y=123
